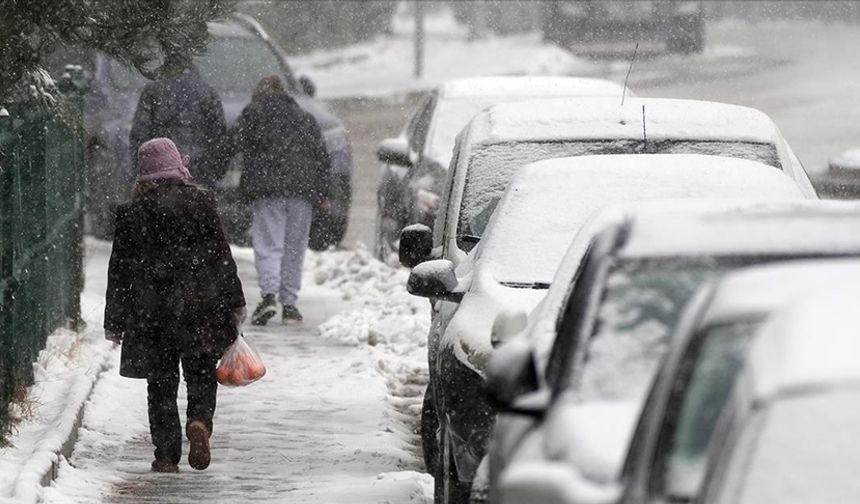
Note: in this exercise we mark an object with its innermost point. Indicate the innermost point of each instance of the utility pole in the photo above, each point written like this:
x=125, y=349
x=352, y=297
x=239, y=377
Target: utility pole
x=419, y=38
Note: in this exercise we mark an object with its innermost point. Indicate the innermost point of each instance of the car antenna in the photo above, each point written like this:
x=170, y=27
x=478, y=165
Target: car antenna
x=644, y=132
x=629, y=69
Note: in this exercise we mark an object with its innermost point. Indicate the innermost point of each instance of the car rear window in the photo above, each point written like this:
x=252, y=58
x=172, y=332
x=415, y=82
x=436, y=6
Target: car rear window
x=230, y=65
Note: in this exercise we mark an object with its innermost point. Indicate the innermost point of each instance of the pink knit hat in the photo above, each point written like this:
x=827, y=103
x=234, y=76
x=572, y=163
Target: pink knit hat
x=159, y=159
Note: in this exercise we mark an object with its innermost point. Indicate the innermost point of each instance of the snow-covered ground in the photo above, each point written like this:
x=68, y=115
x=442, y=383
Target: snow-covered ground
x=385, y=66
x=334, y=419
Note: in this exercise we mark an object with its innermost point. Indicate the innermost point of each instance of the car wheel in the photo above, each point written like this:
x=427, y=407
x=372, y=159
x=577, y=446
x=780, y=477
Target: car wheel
x=429, y=434
x=447, y=485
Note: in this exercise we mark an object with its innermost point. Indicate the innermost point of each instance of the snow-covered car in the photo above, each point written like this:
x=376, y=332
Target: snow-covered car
x=238, y=54
x=678, y=23
x=414, y=163
x=544, y=206
x=509, y=135
x=789, y=430
x=666, y=456
x=842, y=179
x=620, y=305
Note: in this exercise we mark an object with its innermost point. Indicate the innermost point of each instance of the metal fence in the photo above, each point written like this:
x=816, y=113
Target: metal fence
x=41, y=277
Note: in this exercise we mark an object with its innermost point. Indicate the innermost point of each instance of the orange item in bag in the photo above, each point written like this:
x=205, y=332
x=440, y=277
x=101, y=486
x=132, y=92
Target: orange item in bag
x=240, y=365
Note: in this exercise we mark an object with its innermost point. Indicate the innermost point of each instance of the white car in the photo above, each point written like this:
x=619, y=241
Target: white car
x=506, y=136
x=665, y=459
x=414, y=163
x=789, y=431
x=623, y=301
x=509, y=271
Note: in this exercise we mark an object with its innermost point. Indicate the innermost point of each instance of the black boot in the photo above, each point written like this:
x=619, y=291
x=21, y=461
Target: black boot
x=291, y=315
x=267, y=309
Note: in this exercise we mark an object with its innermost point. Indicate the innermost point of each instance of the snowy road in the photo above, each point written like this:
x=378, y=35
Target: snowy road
x=319, y=428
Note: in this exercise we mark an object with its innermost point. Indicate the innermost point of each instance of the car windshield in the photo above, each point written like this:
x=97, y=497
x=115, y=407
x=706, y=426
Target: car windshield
x=706, y=382
x=640, y=306
x=451, y=117
x=491, y=167
x=230, y=65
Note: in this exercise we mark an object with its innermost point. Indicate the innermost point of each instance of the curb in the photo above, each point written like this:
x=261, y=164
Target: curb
x=41, y=466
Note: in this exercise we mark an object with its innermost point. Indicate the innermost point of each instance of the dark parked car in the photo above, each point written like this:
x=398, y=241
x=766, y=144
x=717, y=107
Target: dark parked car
x=415, y=163
x=680, y=24
x=238, y=55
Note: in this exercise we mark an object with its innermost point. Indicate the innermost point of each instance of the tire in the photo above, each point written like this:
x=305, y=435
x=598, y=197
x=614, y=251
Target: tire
x=448, y=489
x=429, y=431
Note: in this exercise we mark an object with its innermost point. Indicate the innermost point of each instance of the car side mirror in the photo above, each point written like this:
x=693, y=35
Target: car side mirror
x=394, y=151
x=553, y=482
x=308, y=86
x=434, y=279
x=416, y=245
x=511, y=373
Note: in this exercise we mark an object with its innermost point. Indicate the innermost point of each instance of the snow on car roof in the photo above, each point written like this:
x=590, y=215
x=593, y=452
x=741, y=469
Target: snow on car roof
x=527, y=87
x=547, y=202
x=812, y=342
x=462, y=99
x=779, y=228
x=606, y=119
x=750, y=291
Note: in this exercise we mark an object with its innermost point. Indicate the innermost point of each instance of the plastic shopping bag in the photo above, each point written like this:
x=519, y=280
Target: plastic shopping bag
x=240, y=365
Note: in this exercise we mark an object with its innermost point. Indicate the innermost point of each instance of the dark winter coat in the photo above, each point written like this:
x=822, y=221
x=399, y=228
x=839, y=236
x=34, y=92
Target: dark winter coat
x=172, y=282
x=188, y=111
x=283, y=151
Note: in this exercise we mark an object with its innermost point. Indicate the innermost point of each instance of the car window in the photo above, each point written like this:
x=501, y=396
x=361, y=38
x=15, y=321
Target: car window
x=230, y=65
x=491, y=167
x=639, y=307
x=236, y=64
x=699, y=394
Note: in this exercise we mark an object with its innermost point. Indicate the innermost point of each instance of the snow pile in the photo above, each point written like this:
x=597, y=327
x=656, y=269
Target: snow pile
x=390, y=322
x=385, y=66
x=65, y=373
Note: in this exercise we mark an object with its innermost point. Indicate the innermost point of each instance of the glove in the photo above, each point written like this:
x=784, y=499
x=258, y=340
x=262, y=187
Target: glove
x=116, y=338
x=239, y=315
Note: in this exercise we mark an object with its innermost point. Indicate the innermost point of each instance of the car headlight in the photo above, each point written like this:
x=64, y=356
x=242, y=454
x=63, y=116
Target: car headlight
x=427, y=201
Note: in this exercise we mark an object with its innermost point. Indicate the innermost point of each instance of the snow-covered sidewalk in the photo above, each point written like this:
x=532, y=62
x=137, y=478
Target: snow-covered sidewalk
x=331, y=421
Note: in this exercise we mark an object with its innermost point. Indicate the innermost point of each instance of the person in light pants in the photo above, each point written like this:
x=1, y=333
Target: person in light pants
x=286, y=176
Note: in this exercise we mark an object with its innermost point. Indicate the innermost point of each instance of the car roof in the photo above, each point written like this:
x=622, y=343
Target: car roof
x=749, y=292
x=606, y=119
x=809, y=344
x=548, y=201
x=721, y=229
x=524, y=87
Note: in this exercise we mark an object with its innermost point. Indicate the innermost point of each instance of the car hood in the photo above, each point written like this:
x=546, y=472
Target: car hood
x=468, y=333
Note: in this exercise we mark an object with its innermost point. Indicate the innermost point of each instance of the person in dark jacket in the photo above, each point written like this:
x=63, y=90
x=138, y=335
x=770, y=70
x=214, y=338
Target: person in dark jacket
x=173, y=296
x=188, y=111
x=286, y=174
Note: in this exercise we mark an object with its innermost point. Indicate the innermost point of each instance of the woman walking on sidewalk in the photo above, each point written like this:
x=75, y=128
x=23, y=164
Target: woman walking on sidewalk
x=173, y=297
x=286, y=174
